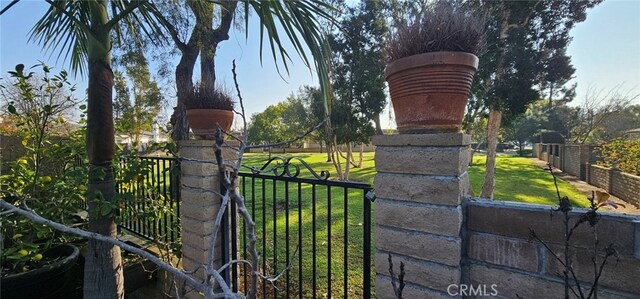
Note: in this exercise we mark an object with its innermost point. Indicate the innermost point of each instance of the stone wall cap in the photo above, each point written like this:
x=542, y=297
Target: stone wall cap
x=197, y=143
x=544, y=209
x=434, y=139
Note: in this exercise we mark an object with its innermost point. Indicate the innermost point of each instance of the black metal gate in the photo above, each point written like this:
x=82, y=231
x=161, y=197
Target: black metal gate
x=315, y=232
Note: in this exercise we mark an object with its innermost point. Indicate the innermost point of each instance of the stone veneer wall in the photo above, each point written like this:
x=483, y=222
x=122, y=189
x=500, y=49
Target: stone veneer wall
x=497, y=251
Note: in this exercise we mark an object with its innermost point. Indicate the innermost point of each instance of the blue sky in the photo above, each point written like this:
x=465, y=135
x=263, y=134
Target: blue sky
x=604, y=52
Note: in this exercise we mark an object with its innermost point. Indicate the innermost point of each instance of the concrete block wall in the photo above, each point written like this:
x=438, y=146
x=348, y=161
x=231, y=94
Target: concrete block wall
x=598, y=176
x=625, y=186
x=498, y=251
x=420, y=182
x=572, y=160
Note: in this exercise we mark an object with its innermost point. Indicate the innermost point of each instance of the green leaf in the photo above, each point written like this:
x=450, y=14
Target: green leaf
x=12, y=109
x=105, y=209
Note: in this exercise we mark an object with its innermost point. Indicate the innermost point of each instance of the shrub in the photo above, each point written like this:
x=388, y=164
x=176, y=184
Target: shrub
x=625, y=154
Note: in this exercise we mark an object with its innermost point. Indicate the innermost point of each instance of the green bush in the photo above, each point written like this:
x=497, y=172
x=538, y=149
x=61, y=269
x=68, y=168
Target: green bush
x=625, y=154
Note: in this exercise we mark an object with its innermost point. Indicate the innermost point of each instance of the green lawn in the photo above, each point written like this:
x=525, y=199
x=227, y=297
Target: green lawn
x=519, y=179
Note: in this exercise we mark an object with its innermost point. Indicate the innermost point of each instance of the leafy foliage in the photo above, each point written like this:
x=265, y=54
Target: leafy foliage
x=358, y=66
x=624, y=154
x=48, y=178
x=136, y=113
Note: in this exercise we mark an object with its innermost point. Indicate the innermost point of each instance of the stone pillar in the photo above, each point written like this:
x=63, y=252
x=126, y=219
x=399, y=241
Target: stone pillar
x=200, y=203
x=420, y=184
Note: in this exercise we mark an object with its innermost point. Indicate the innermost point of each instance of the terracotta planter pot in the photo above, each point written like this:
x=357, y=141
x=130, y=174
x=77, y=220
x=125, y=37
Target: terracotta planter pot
x=204, y=122
x=430, y=91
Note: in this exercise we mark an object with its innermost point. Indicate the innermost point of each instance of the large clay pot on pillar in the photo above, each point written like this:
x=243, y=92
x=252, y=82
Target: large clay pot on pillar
x=204, y=122
x=430, y=91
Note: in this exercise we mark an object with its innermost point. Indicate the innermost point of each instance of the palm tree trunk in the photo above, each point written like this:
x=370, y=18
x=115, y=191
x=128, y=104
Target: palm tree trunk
x=103, y=276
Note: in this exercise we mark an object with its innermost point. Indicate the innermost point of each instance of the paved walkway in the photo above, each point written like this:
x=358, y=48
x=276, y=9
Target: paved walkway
x=587, y=189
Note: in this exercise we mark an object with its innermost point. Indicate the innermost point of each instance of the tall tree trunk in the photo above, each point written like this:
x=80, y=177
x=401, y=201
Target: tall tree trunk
x=103, y=277
x=329, y=153
x=493, y=128
x=347, y=165
x=184, y=86
x=335, y=158
x=361, y=155
x=376, y=120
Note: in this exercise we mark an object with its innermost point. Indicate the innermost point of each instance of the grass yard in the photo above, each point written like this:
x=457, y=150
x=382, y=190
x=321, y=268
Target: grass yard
x=519, y=179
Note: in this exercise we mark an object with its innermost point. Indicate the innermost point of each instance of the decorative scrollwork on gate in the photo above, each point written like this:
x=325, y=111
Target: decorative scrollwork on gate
x=285, y=167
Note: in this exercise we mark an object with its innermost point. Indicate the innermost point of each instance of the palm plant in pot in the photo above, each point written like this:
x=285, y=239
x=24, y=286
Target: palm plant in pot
x=208, y=108
x=432, y=57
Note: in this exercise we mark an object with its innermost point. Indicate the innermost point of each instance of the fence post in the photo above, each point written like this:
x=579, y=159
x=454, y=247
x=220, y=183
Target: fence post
x=200, y=186
x=420, y=184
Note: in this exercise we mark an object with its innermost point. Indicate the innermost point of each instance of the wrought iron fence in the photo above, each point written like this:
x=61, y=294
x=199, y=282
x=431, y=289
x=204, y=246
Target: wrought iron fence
x=315, y=231
x=153, y=212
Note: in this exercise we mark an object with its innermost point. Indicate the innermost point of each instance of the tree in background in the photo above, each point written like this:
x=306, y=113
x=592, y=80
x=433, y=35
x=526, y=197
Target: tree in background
x=267, y=126
x=598, y=107
x=136, y=103
x=358, y=62
x=521, y=130
x=620, y=122
x=523, y=37
x=358, y=80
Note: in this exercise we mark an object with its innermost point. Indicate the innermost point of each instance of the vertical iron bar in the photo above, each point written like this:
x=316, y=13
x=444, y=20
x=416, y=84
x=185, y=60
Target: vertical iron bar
x=275, y=240
x=172, y=197
x=253, y=207
x=234, y=244
x=329, y=241
x=167, y=229
x=286, y=219
x=264, y=236
x=346, y=241
x=367, y=246
x=313, y=238
x=244, y=236
x=157, y=223
x=224, y=231
x=299, y=240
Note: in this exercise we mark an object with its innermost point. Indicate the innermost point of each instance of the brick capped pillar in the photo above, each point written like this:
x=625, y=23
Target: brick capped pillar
x=420, y=184
x=200, y=203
